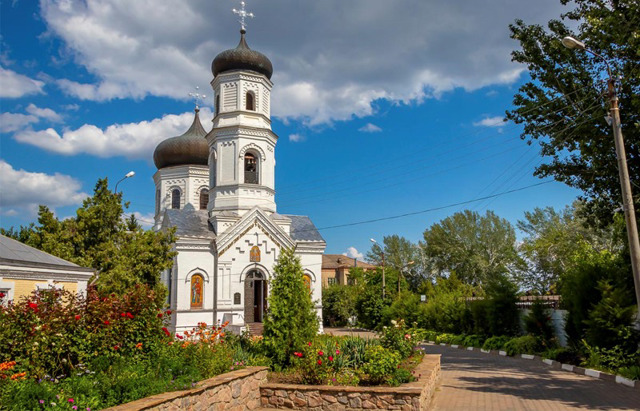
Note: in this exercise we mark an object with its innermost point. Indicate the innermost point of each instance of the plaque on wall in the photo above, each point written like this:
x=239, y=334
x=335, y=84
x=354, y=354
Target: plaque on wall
x=254, y=254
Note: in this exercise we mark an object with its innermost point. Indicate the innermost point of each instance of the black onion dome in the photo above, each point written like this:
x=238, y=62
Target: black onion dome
x=191, y=148
x=242, y=58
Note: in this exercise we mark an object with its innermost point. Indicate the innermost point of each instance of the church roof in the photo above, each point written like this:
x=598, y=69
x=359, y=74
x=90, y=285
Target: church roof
x=189, y=222
x=15, y=252
x=242, y=58
x=303, y=229
x=191, y=148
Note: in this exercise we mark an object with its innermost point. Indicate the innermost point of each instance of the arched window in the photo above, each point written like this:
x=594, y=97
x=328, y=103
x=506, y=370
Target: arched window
x=217, y=104
x=204, y=198
x=251, y=101
x=197, y=283
x=175, y=199
x=250, y=169
x=157, y=202
x=307, y=281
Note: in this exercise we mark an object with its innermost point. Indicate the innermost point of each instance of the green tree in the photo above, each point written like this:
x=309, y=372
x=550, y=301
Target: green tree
x=476, y=247
x=99, y=236
x=563, y=108
x=291, y=321
x=398, y=253
x=338, y=305
x=552, y=239
x=502, y=313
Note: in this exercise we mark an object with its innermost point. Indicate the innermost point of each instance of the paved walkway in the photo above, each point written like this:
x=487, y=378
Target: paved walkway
x=475, y=381
x=341, y=331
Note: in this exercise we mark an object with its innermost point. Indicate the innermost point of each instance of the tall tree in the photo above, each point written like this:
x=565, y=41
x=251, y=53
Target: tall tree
x=291, y=320
x=398, y=253
x=563, y=106
x=473, y=246
x=99, y=236
x=553, y=238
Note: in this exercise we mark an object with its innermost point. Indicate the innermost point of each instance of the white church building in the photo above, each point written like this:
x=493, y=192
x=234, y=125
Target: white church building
x=217, y=189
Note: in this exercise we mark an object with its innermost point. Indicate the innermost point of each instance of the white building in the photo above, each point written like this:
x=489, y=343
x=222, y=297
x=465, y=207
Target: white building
x=218, y=190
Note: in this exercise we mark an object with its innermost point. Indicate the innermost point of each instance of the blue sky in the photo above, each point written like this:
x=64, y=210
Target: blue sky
x=382, y=108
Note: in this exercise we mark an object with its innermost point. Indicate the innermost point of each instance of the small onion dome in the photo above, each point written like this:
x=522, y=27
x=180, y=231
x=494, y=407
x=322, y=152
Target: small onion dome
x=242, y=58
x=191, y=148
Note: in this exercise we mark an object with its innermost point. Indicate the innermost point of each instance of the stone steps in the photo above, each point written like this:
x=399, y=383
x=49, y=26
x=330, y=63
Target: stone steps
x=255, y=328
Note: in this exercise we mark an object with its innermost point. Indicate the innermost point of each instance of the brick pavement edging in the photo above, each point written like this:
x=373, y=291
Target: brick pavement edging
x=411, y=396
x=237, y=390
x=555, y=364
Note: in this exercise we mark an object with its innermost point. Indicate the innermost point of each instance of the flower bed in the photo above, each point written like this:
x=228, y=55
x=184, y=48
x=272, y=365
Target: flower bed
x=414, y=395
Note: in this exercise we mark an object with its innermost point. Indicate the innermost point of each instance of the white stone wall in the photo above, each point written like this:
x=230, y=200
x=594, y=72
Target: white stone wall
x=189, y=179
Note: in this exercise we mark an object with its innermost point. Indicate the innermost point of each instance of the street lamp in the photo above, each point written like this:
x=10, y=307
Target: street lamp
x=383, y=280
x=627, y=199
x=410, y=263
x=129, y=174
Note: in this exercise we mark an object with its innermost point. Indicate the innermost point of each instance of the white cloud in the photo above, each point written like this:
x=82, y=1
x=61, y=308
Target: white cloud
x=370, y=128
x=296, y=138
x=496, y=121
x=145, y=220
x=29, y=189
x=16, y=85
x=131, y=140
x=10, y=122
x=332, y=61
x=354, y=253
x=46, y=113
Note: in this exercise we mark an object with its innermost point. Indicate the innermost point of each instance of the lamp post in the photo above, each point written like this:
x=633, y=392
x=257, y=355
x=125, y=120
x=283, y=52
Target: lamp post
x=410, y=263
x=128, y=175
x=627, y=199
x=383, y=280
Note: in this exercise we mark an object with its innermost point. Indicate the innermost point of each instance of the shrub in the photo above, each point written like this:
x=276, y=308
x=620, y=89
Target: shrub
x=338, y=305
x=445, y=338
x=473, y=341
x=381, y=363
x=404, y=307
x=399, y=338
x=609, y=359
x=502, y=311
x=633, y=372
x=495, y=343
x=538, y=323
x=370, y=306
x=527, y=344
x=291, y=320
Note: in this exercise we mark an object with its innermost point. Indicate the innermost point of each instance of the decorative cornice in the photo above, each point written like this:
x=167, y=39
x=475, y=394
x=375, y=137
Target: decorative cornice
x=39, y=275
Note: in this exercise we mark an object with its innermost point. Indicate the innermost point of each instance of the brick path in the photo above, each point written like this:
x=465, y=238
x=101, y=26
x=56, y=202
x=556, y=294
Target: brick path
x=358, y=332
x=475, y=381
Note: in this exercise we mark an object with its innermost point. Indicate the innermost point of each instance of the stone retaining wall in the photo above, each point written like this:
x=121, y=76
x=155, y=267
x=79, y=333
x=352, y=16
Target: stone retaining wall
x=411, y=396
x=235, y=390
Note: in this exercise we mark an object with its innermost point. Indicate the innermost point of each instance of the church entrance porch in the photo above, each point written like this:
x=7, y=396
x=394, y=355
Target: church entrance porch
x=255, y=292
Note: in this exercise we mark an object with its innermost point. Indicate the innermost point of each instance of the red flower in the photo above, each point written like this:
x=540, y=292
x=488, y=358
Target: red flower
x=166, y=331
x=129, y=315
x=159, y=315
x=2, y=295
x=115, y=347
x=298, y=354
x=337, y=352
x=107, y=322
x=34, y=306
x=70, y=400
x=320, y=353
x=179, y=336
x=168, y=312
x=330, y=358
x=319, y=362
x=309, y=343
x=77, y=317
x=122, y=314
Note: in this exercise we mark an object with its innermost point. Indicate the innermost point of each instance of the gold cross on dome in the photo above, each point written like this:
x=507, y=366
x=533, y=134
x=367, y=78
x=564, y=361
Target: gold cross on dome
x=243, y=14
x=197, y=97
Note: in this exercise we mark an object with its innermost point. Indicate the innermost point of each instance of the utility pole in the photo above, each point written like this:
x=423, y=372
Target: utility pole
x=627, y=198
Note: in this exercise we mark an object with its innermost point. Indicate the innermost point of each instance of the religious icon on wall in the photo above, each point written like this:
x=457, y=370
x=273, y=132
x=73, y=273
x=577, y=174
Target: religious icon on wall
x=254, y=254
x=196, y=291
x=307, y=281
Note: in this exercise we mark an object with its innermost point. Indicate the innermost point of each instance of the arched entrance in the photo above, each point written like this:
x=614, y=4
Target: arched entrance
x=255, y=297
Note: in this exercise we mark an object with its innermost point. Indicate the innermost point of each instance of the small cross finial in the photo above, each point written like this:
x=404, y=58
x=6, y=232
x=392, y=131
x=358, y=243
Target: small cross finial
x=197, y=97
x=243, y=14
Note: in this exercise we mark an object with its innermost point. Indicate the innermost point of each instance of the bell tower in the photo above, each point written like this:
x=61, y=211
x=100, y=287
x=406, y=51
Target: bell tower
x=241, y=143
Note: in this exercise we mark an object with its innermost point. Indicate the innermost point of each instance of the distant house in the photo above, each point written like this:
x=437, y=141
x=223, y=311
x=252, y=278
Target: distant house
x=335, y=268
x=24, y=269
